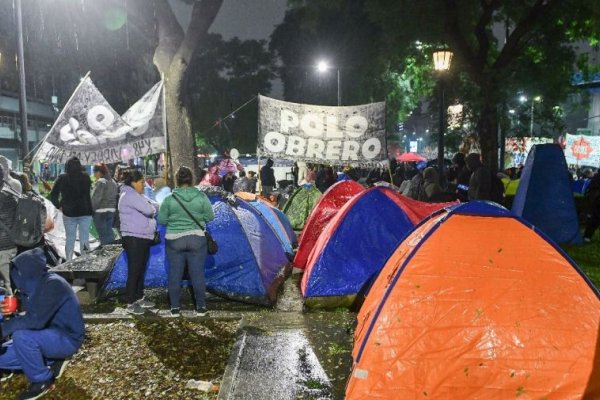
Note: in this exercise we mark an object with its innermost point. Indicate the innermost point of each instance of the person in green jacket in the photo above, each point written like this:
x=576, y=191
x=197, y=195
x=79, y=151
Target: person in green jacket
x=185, y=238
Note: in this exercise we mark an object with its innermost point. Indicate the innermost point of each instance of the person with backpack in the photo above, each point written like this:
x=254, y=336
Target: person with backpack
x=186, y=212
x=8, y=206
x=104, y=203
x=31, y=218
x=71, y=195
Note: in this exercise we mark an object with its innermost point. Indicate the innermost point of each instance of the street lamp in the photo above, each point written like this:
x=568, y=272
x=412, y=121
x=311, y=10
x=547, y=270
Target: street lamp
x=322, y=67
x=441, y=63
x=538, y=99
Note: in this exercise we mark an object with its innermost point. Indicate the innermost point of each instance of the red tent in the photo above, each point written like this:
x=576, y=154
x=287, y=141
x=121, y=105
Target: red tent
x=328, y=205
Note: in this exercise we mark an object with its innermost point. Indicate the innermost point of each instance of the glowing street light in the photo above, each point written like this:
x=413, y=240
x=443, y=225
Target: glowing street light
x=441, y=63
x=322, y=67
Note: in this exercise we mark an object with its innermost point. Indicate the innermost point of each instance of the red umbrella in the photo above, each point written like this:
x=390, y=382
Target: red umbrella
x=408, y=157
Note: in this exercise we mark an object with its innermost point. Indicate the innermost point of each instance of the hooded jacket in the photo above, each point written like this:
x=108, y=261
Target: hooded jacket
x=175, y=217
x=48, y=300
x=104, y=197
x=71, y=191
x=480, y=184
x=136, y=214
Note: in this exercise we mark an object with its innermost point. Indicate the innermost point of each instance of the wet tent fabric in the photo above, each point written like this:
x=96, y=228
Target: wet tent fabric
x=326, y=208
x=356, y=244
x=544, y=197
x=249, y=266
x=476, y=303
x=279, y=223
x=300, y=204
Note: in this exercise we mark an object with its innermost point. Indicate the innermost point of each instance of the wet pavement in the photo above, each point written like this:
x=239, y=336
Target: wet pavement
x=285, y=354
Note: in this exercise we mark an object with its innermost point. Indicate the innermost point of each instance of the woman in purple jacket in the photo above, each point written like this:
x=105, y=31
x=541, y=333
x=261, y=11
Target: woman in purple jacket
x=136, y=213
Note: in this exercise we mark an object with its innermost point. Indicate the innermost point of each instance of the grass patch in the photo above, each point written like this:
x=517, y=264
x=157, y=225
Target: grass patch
x=587, y=258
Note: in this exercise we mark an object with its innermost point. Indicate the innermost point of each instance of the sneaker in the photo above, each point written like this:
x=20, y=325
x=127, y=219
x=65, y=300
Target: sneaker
x=201, y=312
x=135, y=309
x=175, y=312
x=58, y=367
x=36, y=390
x=145, y=303
x=5, y=375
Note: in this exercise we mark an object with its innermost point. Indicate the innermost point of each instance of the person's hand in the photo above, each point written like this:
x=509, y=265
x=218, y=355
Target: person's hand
x=5, y=309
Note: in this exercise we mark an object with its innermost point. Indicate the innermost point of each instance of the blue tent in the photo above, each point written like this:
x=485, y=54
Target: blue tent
x=354, y=247
x=280, y=224
x=249, y=266
x=544, y=197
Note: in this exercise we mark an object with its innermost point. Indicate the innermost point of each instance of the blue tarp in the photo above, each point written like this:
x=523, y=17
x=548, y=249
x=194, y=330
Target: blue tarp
x=249, y=265
x=544, y=197
x=358, y=248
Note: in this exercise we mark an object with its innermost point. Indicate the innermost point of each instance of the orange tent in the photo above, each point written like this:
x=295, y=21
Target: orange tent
x=477, y=304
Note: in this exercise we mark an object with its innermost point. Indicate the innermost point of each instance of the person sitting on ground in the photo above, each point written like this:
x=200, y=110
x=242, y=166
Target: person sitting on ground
x=104, y=203
x=161, y=190
x=51, y=327
x=186, y=212
x=241, y=183
x=267, y=178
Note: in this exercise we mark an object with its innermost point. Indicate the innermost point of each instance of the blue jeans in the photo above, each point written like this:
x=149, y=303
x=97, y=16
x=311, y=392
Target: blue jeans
x=190, y=250
x=104, y=226
x=71, y=225
x=30, y=352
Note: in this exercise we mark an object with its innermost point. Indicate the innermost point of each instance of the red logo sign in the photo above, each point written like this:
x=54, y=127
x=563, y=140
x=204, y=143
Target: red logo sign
x=581, y=149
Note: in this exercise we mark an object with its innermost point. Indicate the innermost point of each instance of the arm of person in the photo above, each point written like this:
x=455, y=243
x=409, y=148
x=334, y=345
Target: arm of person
x=207, y=211
x=55, y=193
x=98, y=194
x=40, y=310
x=163, y=211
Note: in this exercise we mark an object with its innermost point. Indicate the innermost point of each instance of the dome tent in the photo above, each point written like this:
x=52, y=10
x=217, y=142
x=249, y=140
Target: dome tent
x=476, y=303
x=249, y=266
x=277, y=219
x=356, y=243
x=544, y=196
x=326, y=208
x=300, y=204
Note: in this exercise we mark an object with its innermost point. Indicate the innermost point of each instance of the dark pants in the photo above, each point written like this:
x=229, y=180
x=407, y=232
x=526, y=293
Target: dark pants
x=32, y=351
x=138, y=252
x=593, y=221
x=190, y=250
x=104, y=225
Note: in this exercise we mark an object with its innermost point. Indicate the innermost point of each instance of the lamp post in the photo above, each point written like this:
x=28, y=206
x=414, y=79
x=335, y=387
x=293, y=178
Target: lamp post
x=22, y=92
x=322, y=67
x=441, y=63
x=523, y=99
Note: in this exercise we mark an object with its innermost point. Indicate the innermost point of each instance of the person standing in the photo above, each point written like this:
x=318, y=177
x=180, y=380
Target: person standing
x=104, y=203
x=8, y=207
x=480, y=183
x=267, y=178
x=186, y=212
x=71, y=195
x=136, y=214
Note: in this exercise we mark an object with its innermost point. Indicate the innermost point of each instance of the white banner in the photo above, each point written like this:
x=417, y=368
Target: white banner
x=517, y=148
x=320, y=134
x=583, y=150
x=91, y=130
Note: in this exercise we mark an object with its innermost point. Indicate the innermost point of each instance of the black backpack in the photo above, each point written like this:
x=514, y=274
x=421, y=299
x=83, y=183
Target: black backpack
x=30, y=218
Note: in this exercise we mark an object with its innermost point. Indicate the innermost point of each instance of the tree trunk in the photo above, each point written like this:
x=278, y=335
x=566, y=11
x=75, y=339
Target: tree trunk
x=172, y=58
x=488, y=133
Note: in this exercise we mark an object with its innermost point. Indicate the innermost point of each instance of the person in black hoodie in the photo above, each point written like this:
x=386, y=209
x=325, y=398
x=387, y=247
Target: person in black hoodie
x=480, y=183
x=71, y=195
x=51, y=329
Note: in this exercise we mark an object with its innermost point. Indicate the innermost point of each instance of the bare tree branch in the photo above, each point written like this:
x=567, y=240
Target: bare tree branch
x=170, y=36
x=516, y=39
x=203, y=15
x=488, y=7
